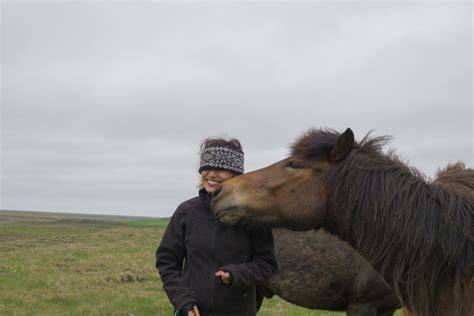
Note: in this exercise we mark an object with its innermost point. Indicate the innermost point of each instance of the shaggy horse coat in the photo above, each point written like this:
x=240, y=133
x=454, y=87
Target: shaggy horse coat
x=417, y=233
x=319, y=271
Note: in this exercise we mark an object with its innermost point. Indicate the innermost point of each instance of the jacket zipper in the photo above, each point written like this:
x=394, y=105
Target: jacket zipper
x=212, y=265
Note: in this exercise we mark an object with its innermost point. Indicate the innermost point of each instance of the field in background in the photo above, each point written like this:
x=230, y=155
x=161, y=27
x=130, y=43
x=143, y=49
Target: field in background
x=57, y=264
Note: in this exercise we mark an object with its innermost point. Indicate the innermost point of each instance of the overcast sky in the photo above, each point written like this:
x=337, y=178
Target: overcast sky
x=104, y=104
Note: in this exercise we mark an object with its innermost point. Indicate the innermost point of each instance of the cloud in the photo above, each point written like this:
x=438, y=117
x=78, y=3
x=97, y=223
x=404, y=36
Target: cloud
x=104, y=104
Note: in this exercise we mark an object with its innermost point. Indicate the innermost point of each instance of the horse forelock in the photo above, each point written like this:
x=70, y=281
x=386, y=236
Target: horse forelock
x=317, y=144
x=417, y=232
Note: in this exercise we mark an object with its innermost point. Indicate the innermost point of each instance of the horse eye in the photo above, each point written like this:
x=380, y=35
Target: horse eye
x=295, y=165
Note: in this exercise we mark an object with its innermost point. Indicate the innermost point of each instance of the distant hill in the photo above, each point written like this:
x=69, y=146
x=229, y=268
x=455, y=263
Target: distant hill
x=16, y=215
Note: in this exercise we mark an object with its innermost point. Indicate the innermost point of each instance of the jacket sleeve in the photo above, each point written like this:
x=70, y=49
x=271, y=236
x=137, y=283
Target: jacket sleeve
x=169, y=261
x=262, y=265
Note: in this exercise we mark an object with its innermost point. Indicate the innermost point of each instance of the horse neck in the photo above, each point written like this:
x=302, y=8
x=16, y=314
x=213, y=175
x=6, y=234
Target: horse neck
x=363, y=196
x=405, y=227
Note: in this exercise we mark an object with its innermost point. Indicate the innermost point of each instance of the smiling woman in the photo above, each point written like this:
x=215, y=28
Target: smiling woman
x=208, y=267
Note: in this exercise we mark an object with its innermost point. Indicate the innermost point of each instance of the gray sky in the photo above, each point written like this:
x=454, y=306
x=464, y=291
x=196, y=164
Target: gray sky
x=104, y=104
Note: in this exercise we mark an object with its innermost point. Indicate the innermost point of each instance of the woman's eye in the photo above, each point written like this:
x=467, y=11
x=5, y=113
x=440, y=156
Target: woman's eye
x=295, y=165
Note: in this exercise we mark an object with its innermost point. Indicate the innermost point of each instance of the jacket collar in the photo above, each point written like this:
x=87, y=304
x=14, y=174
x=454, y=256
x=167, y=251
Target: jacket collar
x=205, y=198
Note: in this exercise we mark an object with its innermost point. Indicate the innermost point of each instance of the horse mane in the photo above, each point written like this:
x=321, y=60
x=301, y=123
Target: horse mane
x=456, y=177
x=416, y=232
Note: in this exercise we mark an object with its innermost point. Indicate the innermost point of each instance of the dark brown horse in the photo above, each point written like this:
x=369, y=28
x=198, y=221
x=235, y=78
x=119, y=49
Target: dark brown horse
x=317, y=270
x=418, y=234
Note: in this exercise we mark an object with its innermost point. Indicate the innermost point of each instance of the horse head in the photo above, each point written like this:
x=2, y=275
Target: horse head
x=292, y=191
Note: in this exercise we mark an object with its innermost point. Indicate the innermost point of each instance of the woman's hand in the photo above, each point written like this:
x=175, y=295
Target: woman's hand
x=194, y=312
x=225, y=277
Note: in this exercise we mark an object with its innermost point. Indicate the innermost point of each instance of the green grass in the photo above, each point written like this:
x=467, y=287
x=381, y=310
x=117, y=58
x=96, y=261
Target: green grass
x=57, y=265
x=148, y=223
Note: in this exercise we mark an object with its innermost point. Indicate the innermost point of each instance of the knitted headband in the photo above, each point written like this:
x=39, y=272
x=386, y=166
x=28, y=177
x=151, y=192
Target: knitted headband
x=222, y=158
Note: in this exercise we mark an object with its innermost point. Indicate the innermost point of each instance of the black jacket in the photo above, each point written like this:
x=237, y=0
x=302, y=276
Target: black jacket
x=195, y=236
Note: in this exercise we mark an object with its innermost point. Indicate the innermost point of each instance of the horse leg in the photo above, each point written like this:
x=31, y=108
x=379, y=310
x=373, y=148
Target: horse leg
x=366, y=309
x=382, y=307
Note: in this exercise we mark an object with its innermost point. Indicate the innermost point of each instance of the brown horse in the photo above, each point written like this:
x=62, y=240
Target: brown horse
x=317, y=270
x=418, y=234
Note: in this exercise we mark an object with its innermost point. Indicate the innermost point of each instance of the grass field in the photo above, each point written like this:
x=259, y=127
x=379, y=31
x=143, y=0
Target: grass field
x=58, y=264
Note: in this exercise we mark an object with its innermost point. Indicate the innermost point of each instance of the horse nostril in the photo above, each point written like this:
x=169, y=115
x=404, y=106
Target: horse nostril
x=216, y=193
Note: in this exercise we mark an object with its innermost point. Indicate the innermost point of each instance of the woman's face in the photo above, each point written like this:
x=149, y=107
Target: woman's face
x=213, y=179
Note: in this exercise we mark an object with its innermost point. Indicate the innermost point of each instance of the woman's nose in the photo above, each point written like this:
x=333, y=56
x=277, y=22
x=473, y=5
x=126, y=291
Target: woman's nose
x=212, y=173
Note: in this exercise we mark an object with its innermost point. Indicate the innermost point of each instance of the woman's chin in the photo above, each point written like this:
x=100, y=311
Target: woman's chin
x=211, y=188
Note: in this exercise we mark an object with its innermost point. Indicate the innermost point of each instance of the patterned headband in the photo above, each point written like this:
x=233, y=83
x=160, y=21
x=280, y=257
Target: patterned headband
x=222, y=158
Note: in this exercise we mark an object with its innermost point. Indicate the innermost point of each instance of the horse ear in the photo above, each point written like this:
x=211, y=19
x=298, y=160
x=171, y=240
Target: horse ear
x=343, y=146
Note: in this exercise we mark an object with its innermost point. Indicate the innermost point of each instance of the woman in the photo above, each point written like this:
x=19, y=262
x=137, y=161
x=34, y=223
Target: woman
x=208, y=267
